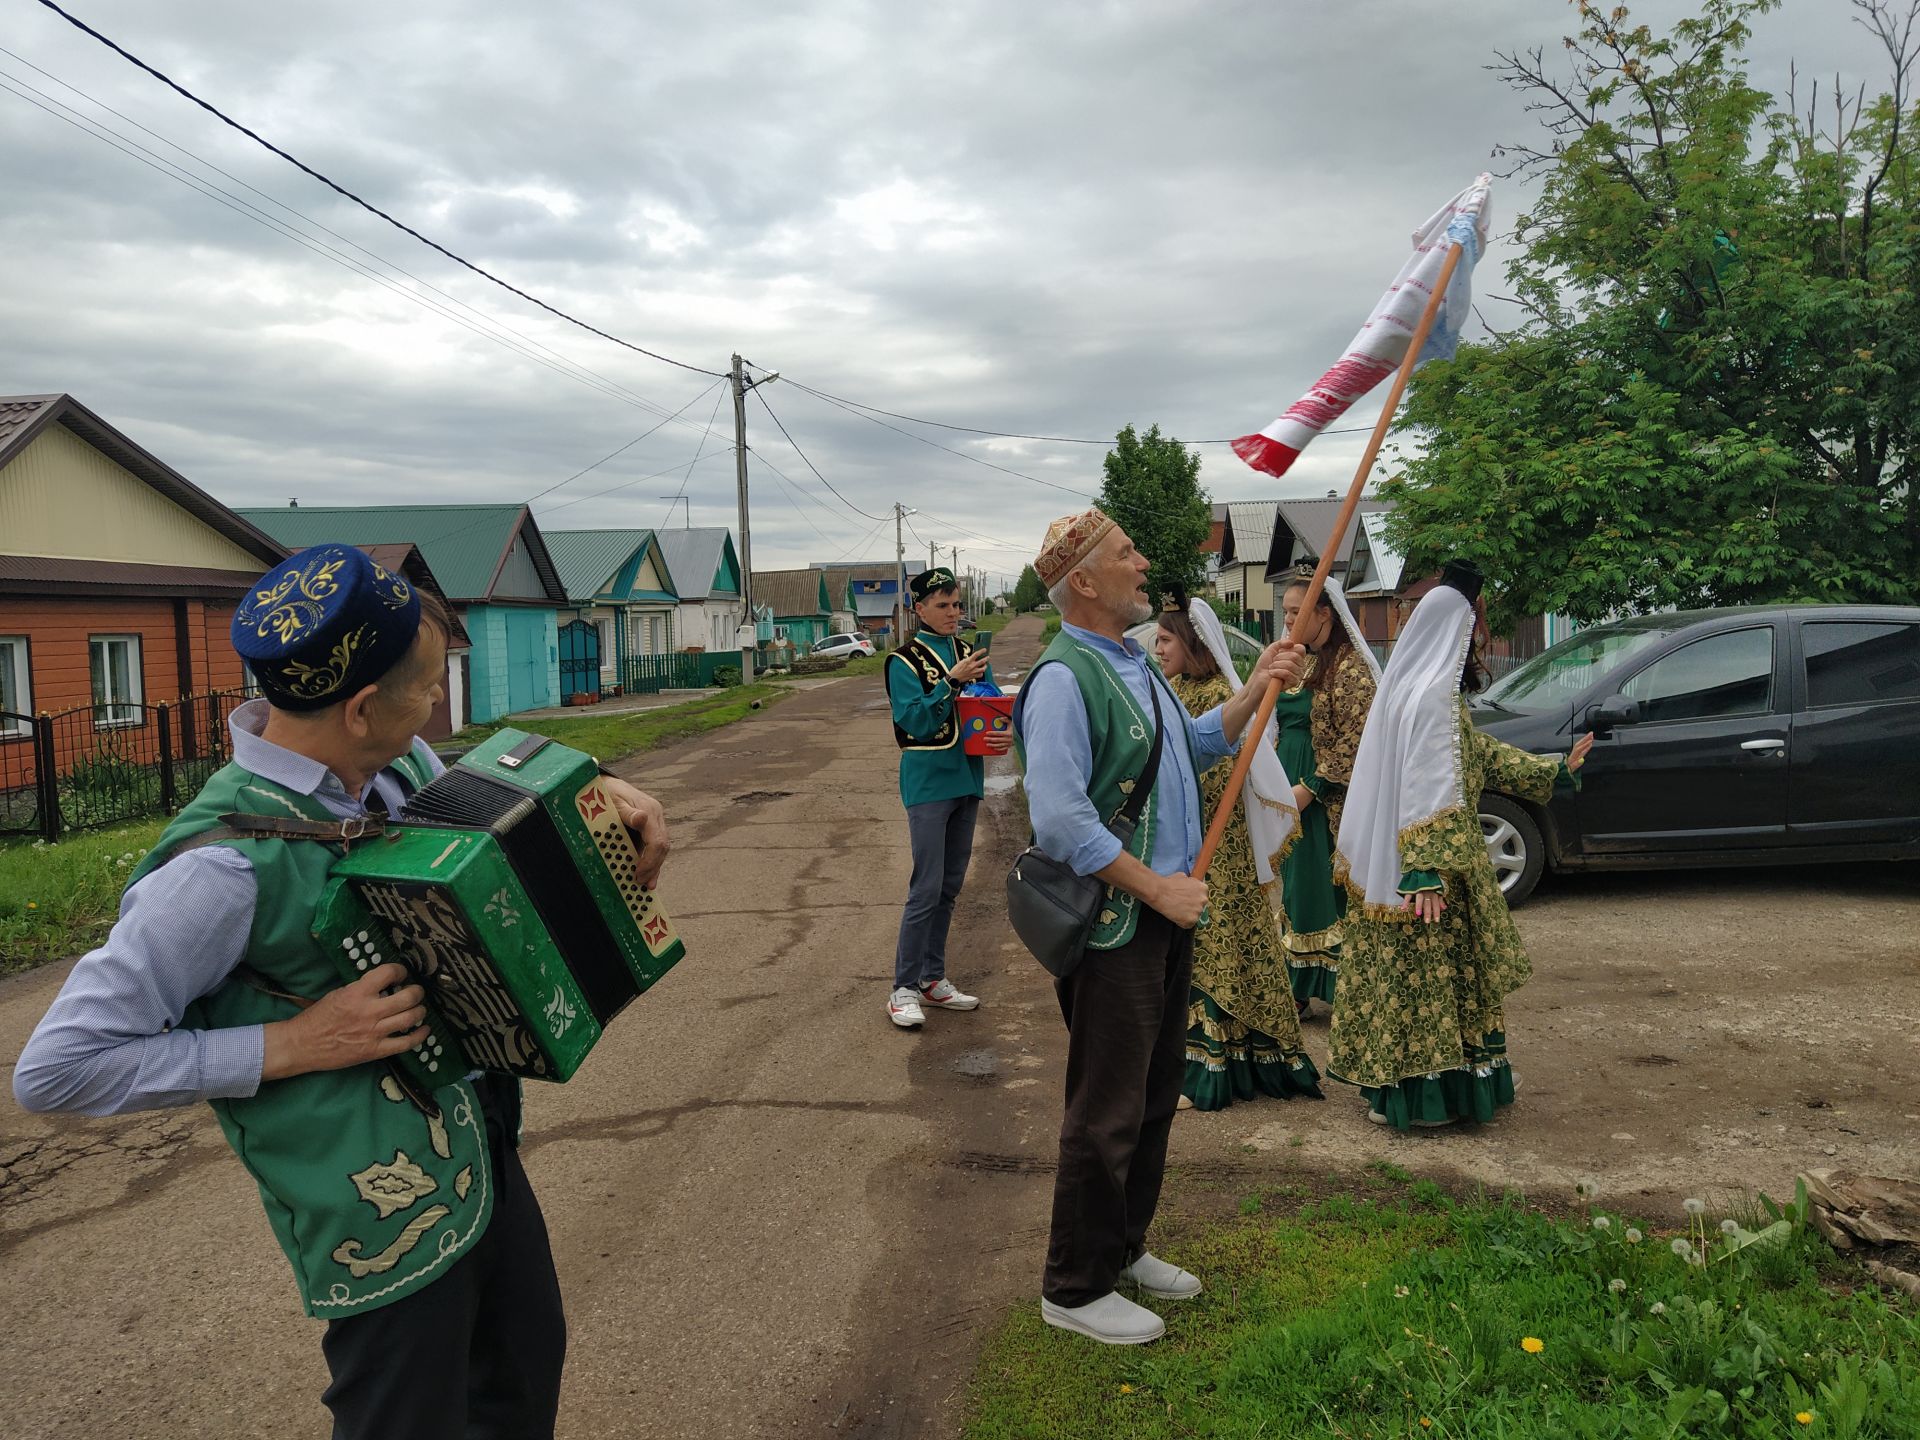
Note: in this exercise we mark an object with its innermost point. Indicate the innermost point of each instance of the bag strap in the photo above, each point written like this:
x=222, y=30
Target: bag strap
x=1143, y=787
x=343, y=833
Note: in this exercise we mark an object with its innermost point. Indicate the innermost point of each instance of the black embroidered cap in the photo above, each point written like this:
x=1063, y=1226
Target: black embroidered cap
x=322, y=624
x=929, y=581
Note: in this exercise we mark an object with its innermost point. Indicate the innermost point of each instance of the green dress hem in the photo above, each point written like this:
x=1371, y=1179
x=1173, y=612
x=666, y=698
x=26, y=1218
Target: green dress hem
x=1228, y=1061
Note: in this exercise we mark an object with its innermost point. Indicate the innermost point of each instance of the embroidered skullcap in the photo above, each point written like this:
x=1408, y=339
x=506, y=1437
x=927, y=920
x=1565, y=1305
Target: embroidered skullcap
x=323, y=624
x=929, y=581
x=1070, y=539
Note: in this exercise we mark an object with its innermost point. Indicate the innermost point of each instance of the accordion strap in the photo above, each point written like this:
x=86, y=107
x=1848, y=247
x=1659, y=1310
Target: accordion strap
x=280, y=827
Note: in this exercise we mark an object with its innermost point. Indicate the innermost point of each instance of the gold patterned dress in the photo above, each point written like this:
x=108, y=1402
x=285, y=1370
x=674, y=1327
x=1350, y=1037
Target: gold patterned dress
x=1243, y=1035
x=1320, y=730
x=1418, y=1018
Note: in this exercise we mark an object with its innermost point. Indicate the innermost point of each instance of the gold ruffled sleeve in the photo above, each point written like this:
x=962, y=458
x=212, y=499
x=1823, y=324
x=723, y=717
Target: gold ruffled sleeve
x=1340, y=716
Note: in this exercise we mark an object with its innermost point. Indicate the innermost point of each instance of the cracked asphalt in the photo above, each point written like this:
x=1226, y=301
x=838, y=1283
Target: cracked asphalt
x=775, y=1215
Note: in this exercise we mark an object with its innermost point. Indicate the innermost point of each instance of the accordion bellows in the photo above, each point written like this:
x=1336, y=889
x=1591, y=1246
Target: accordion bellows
x=509, y=886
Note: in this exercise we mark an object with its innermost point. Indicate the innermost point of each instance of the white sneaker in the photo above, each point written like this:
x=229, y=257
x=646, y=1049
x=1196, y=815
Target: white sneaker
x=1112, y=1320
x=1157, y=1277
x=903, y=1008
x=942, y=995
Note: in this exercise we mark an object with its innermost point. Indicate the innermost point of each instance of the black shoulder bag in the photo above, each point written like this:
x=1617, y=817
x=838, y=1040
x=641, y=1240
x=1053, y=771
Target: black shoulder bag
x=1053, y=910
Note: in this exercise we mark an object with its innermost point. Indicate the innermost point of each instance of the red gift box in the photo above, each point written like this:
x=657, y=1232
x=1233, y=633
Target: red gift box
x=981, y=715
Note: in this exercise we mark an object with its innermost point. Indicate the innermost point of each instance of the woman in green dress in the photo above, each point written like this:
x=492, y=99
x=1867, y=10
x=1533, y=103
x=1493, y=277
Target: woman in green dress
x=1243, y=1035
x=1320, y=726
x=1431, y=954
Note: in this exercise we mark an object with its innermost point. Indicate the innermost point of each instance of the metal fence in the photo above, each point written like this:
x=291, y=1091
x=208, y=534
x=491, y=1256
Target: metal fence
x=97, y=765
x=677, y=670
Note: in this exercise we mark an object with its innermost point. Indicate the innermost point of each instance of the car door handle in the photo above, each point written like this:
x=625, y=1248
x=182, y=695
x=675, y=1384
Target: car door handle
x=1763, y=745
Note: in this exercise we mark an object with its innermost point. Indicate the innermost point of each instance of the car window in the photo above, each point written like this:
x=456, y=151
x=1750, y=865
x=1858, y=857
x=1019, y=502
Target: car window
x=1558, y=676
x=1860, y=662
x=1720, y=676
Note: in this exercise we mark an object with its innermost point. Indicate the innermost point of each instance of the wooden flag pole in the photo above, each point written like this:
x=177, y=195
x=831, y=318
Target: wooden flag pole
x=1257, y=726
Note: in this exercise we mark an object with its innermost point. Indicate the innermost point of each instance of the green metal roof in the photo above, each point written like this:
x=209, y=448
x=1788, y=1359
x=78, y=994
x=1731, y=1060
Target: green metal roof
x=463, y=544
x=590, y=561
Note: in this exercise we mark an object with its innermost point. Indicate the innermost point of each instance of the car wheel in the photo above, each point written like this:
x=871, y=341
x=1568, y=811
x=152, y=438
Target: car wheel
x=1514, y=845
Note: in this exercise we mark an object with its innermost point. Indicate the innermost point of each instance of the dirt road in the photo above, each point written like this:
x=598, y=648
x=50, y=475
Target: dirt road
x=776, y=1215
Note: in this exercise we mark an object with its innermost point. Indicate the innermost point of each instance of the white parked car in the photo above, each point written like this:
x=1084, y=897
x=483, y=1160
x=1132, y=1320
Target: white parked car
x=842, y=647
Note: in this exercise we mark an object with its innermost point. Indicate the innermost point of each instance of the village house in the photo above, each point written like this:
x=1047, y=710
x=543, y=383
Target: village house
x=800, y=604
x=706, y=575
x=619, y=586
x=118, y=582
x=493, y=564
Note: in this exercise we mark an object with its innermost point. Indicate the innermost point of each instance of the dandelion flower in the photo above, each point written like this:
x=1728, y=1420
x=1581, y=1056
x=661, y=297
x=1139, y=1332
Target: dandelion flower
x=1126, y=1389
x=1657, y=1308
x=1694, y=1207
x=1400, y=1292
x=1805, y=1417
x=1532, y=1345
x=1616, y=1286
x=1682, y=1247
x=1425, y=1423
x=1601, y=1222
x=1729, y=1227
x=33, y=905
x=1633, y=1236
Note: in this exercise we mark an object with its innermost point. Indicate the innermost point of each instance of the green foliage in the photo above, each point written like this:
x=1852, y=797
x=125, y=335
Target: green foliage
x=726, y=676
x=1152, y=491
x=1714, y=394
x=58, y=900
x=1028, y=591
x=1433, y=1318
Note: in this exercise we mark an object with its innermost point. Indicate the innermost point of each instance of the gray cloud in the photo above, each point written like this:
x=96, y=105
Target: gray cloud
x=1058, y=218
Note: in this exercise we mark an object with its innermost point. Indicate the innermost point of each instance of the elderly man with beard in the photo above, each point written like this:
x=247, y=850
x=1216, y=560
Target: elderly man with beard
x=1085, y=725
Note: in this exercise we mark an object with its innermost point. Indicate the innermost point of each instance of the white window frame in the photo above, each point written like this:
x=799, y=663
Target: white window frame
x=136, y=679
x=14, y=657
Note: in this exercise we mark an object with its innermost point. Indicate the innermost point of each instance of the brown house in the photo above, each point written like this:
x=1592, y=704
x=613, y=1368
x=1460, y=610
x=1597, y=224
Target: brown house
x=118, y=576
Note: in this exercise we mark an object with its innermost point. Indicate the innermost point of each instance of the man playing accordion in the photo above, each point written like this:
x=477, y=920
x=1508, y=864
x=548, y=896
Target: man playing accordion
x=414, y=1234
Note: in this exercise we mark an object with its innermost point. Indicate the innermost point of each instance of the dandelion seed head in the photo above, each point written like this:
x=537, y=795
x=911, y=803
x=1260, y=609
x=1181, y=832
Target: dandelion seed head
x=1616, y=1285
x=1729, y=1227
x=1694, y=1207
x=1400, y=1292
x=1633, y=1236
x=1657, y=1308
x=1682, y=1247
x=1601, y=1222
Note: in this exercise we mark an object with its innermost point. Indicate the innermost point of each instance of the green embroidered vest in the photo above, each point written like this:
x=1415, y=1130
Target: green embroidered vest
x=1121, y=735
x=930, y=670
x=369, y=1198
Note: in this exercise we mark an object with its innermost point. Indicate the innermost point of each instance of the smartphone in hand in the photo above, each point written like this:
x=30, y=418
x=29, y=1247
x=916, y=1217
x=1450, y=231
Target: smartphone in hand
x=982, y=639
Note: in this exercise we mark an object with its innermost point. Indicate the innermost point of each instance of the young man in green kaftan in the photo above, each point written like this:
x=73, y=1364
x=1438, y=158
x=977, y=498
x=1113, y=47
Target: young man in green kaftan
x=411, y=1228
x=941, y=786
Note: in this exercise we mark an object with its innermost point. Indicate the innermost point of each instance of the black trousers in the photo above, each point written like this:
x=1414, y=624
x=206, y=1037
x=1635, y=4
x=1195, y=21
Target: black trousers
x=1126, y=1014
x=477, y=1354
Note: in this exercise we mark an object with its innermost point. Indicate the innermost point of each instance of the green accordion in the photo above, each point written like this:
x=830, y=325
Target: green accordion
x=509, y=886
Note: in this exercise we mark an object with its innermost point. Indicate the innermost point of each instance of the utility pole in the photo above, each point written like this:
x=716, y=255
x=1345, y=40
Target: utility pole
x=933, y=554
x=740, y=387
x=900, y=513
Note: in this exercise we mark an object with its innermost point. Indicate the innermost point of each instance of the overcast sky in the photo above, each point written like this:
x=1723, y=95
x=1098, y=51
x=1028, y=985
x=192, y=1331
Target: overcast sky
x=1057, y=218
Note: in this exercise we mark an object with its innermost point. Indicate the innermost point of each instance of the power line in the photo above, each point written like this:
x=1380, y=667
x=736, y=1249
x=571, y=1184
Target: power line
x=810, y=465
x=642, y=401
x=158, y=163
x=637, y=439
x=341, y=190
x=680, y=494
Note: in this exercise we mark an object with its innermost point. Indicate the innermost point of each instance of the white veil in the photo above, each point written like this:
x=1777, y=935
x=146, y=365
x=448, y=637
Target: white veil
x=1408, y=768
x=1339, y=598
x=1272, y=816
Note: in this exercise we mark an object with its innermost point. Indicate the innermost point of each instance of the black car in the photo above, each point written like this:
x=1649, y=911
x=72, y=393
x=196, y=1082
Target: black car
x=1752, y=735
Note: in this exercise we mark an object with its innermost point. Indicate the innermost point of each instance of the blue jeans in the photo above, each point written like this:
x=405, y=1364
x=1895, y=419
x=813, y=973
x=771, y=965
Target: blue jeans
x=942, y=835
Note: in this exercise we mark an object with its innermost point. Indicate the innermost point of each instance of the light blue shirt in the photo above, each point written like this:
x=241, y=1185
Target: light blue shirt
x=1052, y=721
x=111, y=1042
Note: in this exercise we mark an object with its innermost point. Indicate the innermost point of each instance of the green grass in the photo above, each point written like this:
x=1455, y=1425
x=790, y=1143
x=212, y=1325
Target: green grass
x=1406, y=1319
x=1053, y=627
x=609, y=737
x=56, y=901
x=993, y=624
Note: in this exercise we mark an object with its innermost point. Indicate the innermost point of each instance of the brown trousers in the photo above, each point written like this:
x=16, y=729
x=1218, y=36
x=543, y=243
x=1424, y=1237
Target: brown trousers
x=1126, y=1014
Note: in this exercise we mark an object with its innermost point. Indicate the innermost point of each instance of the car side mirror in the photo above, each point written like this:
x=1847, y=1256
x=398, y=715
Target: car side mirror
x=1612, y=711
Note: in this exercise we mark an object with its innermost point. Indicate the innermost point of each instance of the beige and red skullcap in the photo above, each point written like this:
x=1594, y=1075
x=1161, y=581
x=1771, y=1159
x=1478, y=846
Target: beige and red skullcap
x=1070, y=539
